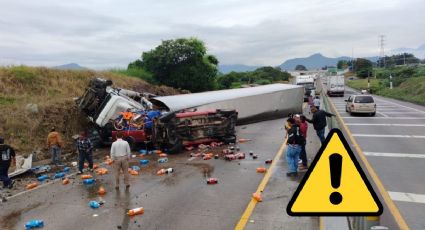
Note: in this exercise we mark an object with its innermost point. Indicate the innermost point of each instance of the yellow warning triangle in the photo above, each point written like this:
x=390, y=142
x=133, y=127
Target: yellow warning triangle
x=342, y=191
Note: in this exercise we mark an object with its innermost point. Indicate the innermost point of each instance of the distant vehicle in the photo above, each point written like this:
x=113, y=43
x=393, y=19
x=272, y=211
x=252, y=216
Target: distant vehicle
x=361, y=104
x=335, y=85
x=308, y=82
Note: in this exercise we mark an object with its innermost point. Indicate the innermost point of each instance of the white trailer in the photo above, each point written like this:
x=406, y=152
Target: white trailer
x=335, y=85
x=252, y=104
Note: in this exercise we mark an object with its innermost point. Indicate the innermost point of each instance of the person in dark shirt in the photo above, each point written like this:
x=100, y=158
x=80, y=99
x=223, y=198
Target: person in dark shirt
x=319, y=122
x=293, y=149
x=84, y=147
x=7, y=155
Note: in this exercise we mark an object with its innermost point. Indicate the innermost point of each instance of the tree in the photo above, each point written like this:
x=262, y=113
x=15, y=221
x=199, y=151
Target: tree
x=363, y=67
x=300, y=68
x=342, y=64
x=181, y=63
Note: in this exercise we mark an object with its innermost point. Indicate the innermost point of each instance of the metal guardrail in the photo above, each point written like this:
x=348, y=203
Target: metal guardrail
x=390, y=217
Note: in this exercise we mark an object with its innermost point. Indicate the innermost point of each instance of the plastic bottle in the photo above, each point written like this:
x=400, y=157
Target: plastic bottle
x=143, y=151
x=255, y=156
x=269, y=161
x=212, y=181
x=65, y=181
x=134, y=172
x=240, y=156
x=169, y=170
x=94, y=204
x=101, y=191
x=261, y=170
x=135, y=167
x=88, y=181
x=136, y=211
x=42, y=178
x=34, y=224
x=59, y=175
x=144, y=162
x=163, y=160
x=257, y=197
x=66, y=169
x=161, y=172
x=32, y=185
x=163, y=155
x=86, y=176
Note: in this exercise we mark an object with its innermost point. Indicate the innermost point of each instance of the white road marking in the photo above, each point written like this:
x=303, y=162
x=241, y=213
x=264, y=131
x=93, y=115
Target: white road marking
x=399, y=112
x=403, y=125
x=395, y=118
x=401, y=105
x=407, y=197
x=384, y=135
x=382, y=114
x=401, y=155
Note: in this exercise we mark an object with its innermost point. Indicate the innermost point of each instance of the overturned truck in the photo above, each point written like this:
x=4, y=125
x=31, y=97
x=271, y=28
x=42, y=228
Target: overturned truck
x=107, y=106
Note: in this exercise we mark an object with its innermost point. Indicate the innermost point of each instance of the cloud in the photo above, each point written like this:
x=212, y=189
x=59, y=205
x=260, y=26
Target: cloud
x=105, y=34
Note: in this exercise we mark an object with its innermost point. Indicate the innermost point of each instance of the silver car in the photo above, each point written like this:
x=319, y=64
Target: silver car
x=361, y=104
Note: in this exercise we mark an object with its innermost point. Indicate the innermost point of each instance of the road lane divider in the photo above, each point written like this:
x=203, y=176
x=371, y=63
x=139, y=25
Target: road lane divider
x=386, y=135
x=400, y=155
x=408, y=197
x=250, y=208
x=389, y=203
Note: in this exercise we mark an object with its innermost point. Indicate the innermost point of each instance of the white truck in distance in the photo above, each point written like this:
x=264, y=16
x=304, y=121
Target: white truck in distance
x=308, y=82
x=335, y=85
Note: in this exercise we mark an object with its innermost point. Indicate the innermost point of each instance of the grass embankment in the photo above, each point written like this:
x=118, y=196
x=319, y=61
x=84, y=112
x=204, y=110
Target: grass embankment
x=412, y=89
x=50, y=91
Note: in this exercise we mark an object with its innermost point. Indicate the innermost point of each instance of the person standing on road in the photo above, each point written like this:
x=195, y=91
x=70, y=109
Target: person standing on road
x=316, y=102
x=120, y=154
x=303, y=131
x=85, y=148
x=294, y=148
x=55, y=144
x=319, y=122
x=7, y=155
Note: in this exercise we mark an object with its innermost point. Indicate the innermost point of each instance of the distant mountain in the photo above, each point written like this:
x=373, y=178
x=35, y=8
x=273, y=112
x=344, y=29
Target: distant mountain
x=418, y=52
x=315, y=61
x=71, y=66
x=236, y=68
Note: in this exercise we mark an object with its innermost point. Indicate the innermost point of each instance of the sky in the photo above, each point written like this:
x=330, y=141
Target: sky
x=103, y=34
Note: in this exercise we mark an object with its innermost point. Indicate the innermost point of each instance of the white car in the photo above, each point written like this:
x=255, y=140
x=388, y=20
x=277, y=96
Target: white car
x=361, y=104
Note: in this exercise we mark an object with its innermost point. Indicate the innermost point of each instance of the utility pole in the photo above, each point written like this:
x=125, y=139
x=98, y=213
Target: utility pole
x=382, y=51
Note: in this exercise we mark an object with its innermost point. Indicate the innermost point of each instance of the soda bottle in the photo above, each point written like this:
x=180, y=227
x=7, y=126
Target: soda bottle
x=163, y=160
x=163, y=155
x=34, y=224
x=144, y=162
x=88, y=181
x=169, y=170
x=86, y=176
x=269, y=161
x=261, y=170
x=257, y=197
x=161, y=172
x=94, y=204
x=42, y=178
x=66, y=169
x=101, y=191
x=65, y=181
x=32, y=185
x=212, y=180
x=59, y=175
x=136, y=211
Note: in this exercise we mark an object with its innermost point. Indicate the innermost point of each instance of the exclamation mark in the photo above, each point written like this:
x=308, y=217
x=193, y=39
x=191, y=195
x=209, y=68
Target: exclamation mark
x=335, y=162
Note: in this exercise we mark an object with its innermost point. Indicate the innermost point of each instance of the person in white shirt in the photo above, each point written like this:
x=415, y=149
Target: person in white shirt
x=120, y=154
x=316, y=102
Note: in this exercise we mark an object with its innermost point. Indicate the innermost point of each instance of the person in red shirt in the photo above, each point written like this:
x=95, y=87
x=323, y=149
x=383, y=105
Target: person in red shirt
x=303, y=131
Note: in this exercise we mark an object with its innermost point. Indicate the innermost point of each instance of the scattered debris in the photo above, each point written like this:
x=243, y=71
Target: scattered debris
x=251, y=153
x=94, y=204
x=161, y=172
x=212, y=180
x=34, y=224
x=133, y=172
x=101, y=191
x=101, y=171
x=163, y=155
x=255, y=156
x=240, y=156
x=261, y=170
x=136, y=211
x=59, y=175
x=169, y=170
x=88, y=181
x=163, y=160
x=268, y=161
x=65, y=181
x=144, y=162
x=32, y=185
x=230, y=157
x=243, y=140
x=257, y=197
x=86, y=176
x=135, y=168
x=42, y=178
x=189, y=148
x=216, y=156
